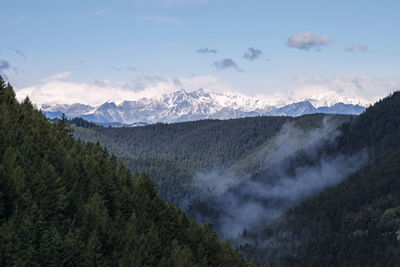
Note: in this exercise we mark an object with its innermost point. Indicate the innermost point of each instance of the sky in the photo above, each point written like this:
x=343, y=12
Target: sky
x=93, y=51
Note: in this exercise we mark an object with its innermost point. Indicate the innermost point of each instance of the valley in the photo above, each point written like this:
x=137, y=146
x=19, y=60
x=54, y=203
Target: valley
x=200, y=133
x=255, y=179
x=281, y=190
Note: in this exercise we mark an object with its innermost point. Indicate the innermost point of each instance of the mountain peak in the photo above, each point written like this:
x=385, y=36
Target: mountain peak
x=331, y=98
x=203, y=91
x=182, y=105
x=180, y=92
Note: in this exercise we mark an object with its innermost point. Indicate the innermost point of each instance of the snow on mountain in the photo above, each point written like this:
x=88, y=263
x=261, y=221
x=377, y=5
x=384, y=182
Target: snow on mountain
x=295, y=109
x=331, y=98
x=201, y=104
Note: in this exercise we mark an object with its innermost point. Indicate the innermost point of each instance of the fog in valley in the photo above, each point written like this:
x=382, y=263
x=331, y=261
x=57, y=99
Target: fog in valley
x=287, y=170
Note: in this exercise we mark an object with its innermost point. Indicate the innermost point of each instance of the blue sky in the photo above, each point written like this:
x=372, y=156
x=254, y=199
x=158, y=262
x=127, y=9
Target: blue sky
x=141, y=48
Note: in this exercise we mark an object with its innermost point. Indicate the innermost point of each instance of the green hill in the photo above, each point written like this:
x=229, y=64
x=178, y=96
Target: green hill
x=67, y=203
x=356, y=223
x=174, y=153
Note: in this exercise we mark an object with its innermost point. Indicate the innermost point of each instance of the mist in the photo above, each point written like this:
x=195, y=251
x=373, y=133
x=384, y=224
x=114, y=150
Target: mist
x=289, y=169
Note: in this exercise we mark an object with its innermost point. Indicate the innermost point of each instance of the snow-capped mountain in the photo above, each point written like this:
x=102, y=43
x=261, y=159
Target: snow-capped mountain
x=201, y=104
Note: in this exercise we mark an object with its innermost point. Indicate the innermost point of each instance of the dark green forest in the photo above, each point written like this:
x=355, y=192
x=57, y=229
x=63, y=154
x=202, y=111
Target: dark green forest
x=68, y=203
x=356, y=223
x=173, y=153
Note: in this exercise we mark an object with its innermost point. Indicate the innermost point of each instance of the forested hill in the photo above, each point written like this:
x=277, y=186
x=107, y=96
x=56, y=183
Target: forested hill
x=67, y=203
x=198, y=145
x=356, y=223
x=174, y=153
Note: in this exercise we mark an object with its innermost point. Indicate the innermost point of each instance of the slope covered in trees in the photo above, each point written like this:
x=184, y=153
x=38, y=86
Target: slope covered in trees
x=67, y=203
x=196, y=145
x=356, y=223
x=174, y=153
x=353, y=223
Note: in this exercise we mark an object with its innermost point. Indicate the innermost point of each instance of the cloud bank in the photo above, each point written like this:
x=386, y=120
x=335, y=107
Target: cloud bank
x=363, y=89
x=56, y=89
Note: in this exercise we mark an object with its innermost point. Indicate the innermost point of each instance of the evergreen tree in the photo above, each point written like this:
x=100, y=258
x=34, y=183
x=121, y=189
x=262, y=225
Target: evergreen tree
x=67, y=203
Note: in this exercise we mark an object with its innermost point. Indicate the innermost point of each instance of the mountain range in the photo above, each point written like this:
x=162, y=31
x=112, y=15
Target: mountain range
x=182, y=106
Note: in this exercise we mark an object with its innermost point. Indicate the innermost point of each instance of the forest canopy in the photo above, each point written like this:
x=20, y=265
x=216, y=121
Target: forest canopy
x=67, y=203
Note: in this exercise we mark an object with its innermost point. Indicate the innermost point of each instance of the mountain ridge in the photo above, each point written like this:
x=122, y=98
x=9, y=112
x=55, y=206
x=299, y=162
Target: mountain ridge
x=182, y=106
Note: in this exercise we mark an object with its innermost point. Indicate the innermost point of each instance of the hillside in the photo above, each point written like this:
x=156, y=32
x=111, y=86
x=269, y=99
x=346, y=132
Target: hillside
x=173, y=154
x=66, y=203
x=196, y=145
x=306, y=194
x=356, y=223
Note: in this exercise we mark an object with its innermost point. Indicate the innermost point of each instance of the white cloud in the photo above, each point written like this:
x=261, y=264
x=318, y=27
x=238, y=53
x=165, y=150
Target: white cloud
x=354, y=88
x=308, y=40
x=366, y=87
x=363, y=89
x=98, y=92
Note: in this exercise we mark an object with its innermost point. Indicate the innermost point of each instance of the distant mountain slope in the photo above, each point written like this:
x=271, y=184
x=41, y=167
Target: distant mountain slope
x=356, y=223
x=201, y=104
x=192, y=147
x=197, y=145
x=173, y=153
x=66, y=203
